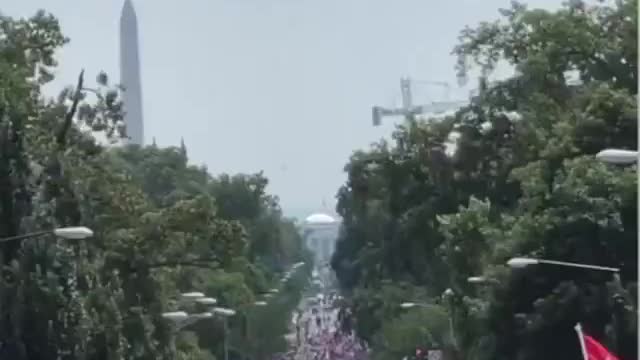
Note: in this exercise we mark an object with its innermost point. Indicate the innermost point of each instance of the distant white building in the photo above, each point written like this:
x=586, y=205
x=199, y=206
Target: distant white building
x=322, y=232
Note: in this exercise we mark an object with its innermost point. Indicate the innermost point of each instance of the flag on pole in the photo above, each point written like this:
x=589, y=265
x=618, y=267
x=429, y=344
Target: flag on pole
x=591, y=348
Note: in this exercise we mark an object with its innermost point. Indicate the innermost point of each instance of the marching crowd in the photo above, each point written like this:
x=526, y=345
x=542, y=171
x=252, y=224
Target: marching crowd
x=323, y=332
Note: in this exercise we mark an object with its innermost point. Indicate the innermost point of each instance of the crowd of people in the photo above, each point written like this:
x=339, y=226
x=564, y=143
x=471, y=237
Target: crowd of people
x=323, y=332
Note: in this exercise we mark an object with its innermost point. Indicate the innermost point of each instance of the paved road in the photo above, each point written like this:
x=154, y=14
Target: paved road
x=317, y=335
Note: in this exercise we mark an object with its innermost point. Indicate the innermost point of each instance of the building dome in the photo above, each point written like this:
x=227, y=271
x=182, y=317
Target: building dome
x=320, y=219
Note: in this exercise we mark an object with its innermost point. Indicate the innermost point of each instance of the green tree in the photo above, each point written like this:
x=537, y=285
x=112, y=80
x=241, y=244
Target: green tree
x=158, y=227
x=522, y=181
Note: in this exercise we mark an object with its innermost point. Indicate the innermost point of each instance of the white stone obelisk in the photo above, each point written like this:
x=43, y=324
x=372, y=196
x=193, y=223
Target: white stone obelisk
x=130, y=74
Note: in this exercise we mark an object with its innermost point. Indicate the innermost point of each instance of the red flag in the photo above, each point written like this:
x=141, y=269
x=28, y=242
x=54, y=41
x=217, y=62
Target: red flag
x=597, y=351
x=591, y=348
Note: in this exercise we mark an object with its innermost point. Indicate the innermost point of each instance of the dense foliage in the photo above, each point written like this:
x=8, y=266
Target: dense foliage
x=522, y=180
x=161, y=227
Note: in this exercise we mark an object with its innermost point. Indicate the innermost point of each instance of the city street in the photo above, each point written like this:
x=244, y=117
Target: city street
x=316, y=331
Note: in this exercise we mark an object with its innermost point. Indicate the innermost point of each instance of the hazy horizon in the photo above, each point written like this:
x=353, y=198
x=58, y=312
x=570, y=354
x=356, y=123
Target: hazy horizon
x=284, y=86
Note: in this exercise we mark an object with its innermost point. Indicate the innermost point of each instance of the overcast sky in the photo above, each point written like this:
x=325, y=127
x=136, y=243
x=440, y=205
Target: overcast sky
x=284, y=86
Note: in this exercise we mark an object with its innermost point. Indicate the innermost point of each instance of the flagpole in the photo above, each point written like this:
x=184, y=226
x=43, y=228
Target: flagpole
x=583, y=347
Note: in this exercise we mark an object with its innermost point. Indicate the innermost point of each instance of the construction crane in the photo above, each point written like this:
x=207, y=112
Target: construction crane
x=408, y=109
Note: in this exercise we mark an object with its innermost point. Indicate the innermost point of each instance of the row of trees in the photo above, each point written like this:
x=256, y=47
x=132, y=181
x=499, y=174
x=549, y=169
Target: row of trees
x=421, y=216
x=161, y=226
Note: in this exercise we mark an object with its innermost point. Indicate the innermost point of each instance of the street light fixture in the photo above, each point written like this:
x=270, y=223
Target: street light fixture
x=181, y=319
x=448, y=292
x=518, y=262
x=408, y=305
x=200, y=316
x=73, y=233
x=618, y=156
x=192, y=296
x=521, y=262
x=69, y=233
x=482, y=280
x=206, y=301
x=249, y=326
x=225, y=313
x=176, y=316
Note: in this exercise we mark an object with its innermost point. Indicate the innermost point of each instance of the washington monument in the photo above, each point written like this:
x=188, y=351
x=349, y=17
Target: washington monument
x=130, y=74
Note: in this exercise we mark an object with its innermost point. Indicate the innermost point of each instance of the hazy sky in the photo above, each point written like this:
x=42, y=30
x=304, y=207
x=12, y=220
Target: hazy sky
x=284, y=86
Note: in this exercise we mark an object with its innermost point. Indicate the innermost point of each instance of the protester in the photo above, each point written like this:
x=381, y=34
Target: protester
x=325, y=333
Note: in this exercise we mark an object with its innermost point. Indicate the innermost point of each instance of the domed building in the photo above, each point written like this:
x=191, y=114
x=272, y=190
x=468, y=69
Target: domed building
x=320, y=220
x=321, y=233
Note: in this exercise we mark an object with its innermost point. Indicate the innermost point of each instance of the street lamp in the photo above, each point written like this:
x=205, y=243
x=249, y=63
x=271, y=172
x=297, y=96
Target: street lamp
x=618, y=156
x=521, y=262
x=200, y=316
x=206, y=301
x=249, y=325
x=409, y=305
x=482, y=280
x=175, y=316
x=180, y=319
x=192, y=296
x=524, y=262
x=69, y=233
x=448, y=294
x=225, y=313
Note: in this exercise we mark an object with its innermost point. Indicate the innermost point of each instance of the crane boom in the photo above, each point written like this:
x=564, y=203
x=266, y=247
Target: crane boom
x=409, y=109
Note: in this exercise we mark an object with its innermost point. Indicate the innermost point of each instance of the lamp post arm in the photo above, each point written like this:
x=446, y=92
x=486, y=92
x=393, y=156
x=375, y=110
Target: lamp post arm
x=576, y=265
x=26, y=236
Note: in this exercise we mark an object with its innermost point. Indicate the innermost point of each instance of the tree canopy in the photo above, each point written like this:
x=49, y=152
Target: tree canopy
x=161, y=226
x=511, y=174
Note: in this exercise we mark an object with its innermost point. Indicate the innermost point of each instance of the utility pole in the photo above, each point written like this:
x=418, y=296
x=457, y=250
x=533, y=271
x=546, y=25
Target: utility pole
x=408, y=109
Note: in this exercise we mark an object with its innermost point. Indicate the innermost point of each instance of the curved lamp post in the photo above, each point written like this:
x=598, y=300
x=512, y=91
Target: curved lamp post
x=409, y=305
x=249, y=326
x=447, y=293
x=69, y=233
x=521, y=262
x=482, y=280
x=175, y=316
x=206, y=301
x=181, y=319
x=225, y=313
x=618, y=156
x=192, y=296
